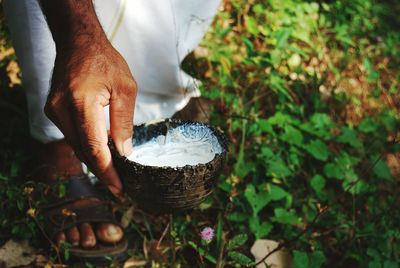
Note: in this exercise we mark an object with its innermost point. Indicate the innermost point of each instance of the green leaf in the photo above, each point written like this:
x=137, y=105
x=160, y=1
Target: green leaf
x=259, y=230
x=318, y=149
x=225, y=186
x=251, y=25
x=390, y=264
x=264, y=229
x=349, y=136
x=276, y=192
x=308, y=260
x=65, y=249
x=203, y=252
x=267, y=152
x=239, y=258
x=256, y=201
x=254, y=224
x=300, y=259
x=390, y=120
x=368, y=126
x=372, y=252
x=206, y=204
x=382, y=171
x=251, y=195
x=353, y=185
x=317, y=258
x=277, y=168
x=286, y=217
x=282, y=37
x=281, y=119
x=275, y=56
x=237, y=217
x=317, y=183
x=265, y=126
x=237, y=241
x=295, y=156
x=321, y=121
x=374, y=264
x=61, y=190
x=249, y=46
x=292, y=135
x=278, y=85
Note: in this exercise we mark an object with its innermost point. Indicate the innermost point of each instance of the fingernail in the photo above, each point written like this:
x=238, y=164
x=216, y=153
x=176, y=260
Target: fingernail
x=127, y=146
x=114, y=190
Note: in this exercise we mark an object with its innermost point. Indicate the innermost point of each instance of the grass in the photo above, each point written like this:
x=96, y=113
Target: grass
x=308, y=94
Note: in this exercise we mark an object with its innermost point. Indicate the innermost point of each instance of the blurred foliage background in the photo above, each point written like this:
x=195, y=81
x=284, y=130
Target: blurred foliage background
x=308, y=94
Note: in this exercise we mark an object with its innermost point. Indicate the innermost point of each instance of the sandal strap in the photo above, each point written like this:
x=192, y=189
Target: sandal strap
x=76, y=188
x=59, y=218
x=63, y=219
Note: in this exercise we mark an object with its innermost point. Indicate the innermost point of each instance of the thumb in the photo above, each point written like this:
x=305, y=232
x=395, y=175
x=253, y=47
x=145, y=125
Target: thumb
x=121, y=119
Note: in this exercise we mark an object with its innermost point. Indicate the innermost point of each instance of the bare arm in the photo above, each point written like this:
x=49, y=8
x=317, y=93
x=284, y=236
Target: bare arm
x=71, y=21
x=88, y=75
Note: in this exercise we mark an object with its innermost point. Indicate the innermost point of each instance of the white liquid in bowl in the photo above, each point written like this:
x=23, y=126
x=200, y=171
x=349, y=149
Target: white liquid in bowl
x=184, y=145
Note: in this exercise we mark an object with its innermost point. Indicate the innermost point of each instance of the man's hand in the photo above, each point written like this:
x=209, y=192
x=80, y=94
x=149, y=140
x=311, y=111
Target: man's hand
x=88, y=75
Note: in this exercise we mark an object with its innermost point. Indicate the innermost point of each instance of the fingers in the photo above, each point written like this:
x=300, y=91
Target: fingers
x=82, y=85
x=81, y=120
x=88, y=115
x=122, y=105
x=58, y=110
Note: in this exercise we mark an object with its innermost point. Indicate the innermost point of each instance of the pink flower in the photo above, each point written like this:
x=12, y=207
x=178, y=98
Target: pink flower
x=207, y=234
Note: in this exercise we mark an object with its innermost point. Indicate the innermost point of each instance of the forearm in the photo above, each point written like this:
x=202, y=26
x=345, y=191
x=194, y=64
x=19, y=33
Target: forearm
x=73, y=23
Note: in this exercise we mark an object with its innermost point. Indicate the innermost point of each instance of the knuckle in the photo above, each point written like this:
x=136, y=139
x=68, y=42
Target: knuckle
x=128, y=88
x=100, y=98
x=76, y=95
x=132, y=87
x=93, y=151
x=76, y=100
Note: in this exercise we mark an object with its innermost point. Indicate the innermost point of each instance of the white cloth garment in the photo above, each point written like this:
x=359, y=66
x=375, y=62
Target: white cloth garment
x=153, y=36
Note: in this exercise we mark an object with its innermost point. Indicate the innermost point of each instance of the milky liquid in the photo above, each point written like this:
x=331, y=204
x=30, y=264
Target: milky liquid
x=184, y=145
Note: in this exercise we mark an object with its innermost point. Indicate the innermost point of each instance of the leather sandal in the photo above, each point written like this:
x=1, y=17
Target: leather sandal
x=58, y=219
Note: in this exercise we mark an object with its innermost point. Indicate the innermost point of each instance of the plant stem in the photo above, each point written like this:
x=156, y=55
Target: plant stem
x=172, y=239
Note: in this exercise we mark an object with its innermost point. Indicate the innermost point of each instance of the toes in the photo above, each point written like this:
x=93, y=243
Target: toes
x=60, y=238
x=109, y=233
x=88, y=239
x=73, y=236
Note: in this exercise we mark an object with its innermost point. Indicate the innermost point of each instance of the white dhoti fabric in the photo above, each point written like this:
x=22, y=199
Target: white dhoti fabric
x=153, y=36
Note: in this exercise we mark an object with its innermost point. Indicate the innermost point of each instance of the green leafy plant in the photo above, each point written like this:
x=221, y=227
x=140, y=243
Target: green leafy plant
x=308, y=94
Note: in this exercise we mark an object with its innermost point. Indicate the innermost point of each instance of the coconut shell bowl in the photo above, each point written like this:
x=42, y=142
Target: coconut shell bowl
x=166, y=188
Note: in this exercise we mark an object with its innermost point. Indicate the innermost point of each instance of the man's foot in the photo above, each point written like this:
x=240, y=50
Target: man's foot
x=57, y=160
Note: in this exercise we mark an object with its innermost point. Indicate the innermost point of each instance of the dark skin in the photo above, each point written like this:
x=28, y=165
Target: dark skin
x=88, y=75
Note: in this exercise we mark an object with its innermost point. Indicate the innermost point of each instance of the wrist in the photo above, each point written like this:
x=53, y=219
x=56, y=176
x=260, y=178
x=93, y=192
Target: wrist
x=73, y=24
x=82, y=42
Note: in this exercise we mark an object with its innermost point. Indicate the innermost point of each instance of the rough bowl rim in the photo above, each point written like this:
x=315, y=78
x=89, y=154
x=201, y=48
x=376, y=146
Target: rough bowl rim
x=217, y=132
